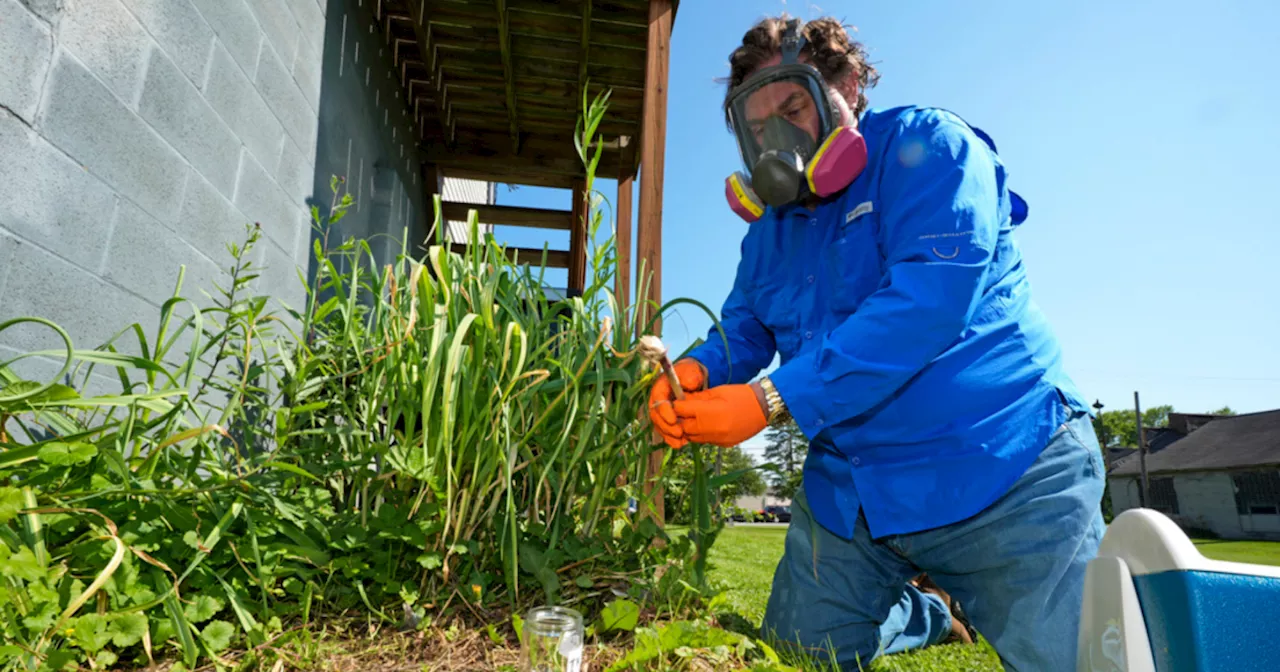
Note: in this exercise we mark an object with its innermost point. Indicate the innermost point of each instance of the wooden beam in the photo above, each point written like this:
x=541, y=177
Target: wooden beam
x=578, y=238
x=440, y=92
x=532, y=179
x=526, y=255
x=649, y=231
x=508, y=73
x=584, y=46
x=507, y=215
x=622, y=214
x=487, y=155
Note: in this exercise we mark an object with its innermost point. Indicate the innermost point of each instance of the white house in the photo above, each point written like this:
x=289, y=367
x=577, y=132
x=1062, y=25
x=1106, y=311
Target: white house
x=1221, y=476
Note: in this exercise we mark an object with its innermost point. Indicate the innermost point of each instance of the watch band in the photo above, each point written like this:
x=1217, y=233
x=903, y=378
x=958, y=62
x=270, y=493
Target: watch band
x=777, y=412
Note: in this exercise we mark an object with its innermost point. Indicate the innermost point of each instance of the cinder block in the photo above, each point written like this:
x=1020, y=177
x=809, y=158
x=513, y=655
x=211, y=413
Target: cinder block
x=8, y=247
x=285, y=98
x=39, y=285
x=92, y=126
x=107, y=39
x=311, y=21
x=49, y=10
x=26, y=47
x=307, y=66
x=279, y=278
x=208, y=221
x=295, y=173
x=259, y=198
x=180, y=31
x=174, y=107
x=49, y=199
x=236, y=29
x=279, y=25
x=144, y=258
x=241, y=106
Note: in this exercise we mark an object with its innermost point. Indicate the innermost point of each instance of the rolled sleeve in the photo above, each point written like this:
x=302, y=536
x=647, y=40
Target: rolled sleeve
x=942, y=211
x=747, y=345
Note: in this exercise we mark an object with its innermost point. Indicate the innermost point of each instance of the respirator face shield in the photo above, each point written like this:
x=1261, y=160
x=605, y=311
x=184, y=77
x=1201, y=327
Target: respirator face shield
x=783, y=109
x=790, y=139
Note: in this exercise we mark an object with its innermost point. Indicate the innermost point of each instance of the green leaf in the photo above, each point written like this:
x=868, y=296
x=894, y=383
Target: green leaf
x=430, y=560
x=15, y=456
x=297, y=471
x=217, y=635
x=59, y=659
x=22, y=565
x=493, y=634
x=202, y=609
x=584, y=582
x=65, y=454
x=90, y=632
x=128, y=629
x=620, y=615
x=10, y=504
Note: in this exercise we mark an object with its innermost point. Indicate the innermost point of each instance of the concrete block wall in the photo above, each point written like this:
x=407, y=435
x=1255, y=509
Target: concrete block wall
x=140, y=135
x=1208, y=500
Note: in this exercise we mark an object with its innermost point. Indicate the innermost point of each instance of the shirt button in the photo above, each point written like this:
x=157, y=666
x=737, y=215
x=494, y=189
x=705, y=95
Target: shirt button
x=856, y=461
x=810, y=278
x=808, y=334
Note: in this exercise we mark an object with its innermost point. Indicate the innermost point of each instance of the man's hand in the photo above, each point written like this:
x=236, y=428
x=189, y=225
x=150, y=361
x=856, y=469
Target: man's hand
x=692, y=379
x=723, y=416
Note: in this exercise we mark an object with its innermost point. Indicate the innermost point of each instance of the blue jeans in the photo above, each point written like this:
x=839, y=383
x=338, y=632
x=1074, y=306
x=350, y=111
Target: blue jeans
x=1017, y=568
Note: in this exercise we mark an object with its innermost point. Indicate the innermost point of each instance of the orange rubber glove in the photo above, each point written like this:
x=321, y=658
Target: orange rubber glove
x=692, y=378
x=722, y=416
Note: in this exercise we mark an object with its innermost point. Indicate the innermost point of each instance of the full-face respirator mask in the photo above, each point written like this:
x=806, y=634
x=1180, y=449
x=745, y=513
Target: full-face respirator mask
x=789, y=136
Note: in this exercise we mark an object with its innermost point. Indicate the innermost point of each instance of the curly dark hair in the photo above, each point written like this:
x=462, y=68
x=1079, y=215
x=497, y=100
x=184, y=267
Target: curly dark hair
x=829, y=49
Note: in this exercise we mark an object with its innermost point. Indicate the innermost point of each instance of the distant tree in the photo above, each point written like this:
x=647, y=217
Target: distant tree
x=787, y=448
x=750, y=484
x=680, y=471
x=788, y=488
x=1225, y=410
x=1119, y=429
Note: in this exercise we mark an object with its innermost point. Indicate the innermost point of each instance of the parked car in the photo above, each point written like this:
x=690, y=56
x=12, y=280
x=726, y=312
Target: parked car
x=777, y=513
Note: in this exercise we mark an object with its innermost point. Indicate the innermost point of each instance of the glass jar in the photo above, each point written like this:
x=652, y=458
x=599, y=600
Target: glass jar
x=553, y=640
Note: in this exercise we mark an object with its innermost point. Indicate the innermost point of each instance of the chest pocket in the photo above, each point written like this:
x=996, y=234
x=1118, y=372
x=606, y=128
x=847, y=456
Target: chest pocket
x=852, y=264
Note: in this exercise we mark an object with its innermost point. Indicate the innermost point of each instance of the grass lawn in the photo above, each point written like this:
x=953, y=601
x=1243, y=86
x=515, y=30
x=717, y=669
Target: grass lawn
x=1256, y=552
x=743, y=560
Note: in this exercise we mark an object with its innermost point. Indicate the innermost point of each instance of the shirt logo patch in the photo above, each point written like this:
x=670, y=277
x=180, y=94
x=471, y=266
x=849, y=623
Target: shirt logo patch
x=862, y=209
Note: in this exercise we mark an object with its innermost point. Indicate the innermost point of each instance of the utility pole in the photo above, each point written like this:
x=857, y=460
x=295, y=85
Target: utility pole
x=1142, y=449
x=1102, y=435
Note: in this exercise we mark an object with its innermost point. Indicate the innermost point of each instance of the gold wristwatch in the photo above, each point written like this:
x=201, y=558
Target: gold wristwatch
x=777, y=410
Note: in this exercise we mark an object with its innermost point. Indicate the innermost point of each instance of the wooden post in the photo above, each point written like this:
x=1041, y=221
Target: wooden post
x=578, y=238
x=653, y=139
x=1142, y=452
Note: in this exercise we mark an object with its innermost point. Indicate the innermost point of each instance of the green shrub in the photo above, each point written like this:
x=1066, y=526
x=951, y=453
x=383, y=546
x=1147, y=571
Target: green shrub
x=428, y=435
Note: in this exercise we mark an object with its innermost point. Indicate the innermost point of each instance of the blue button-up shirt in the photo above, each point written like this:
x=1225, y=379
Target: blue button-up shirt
x=912, y=354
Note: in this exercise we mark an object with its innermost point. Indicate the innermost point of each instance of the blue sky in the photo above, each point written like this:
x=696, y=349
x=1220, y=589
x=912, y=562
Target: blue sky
x=1143, y=135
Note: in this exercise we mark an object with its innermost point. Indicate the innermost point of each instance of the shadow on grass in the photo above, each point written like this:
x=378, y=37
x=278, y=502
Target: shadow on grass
x=735, y=622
